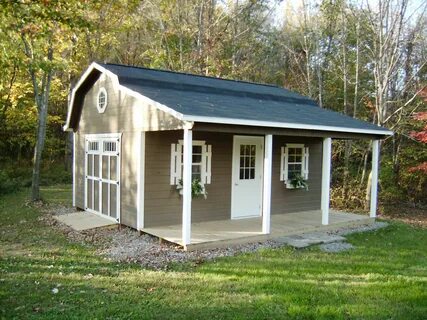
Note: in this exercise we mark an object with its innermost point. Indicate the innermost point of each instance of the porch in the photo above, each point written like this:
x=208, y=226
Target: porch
x=229, y=232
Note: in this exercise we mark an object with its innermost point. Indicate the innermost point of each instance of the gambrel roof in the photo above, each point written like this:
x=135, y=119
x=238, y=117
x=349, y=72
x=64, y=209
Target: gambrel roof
x=197, y=98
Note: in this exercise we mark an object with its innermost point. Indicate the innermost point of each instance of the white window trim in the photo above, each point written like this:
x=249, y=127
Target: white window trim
x=176, y=165
x=104, y=91
x=284, y=163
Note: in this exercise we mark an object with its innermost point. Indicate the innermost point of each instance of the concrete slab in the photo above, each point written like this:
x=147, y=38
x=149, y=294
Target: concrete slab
x=83, y=220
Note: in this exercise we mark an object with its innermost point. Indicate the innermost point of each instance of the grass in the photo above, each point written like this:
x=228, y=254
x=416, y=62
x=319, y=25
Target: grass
x=384, y=277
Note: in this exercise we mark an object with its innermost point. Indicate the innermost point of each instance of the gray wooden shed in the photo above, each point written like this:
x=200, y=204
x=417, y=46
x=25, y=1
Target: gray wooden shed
x=143, y=136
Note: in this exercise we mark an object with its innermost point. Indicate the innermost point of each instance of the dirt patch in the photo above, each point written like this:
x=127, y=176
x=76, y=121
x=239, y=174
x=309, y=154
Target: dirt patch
x=416, y=216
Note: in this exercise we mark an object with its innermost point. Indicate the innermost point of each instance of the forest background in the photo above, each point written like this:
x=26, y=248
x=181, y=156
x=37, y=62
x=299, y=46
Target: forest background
x=366, y=59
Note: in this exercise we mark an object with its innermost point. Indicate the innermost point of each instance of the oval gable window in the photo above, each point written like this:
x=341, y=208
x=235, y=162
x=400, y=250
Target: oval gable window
x=102, y=100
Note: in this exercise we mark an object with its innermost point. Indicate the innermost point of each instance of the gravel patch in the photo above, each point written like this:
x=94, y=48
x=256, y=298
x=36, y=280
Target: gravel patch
x=127, y=245
x=335, y=247
x=59, y=210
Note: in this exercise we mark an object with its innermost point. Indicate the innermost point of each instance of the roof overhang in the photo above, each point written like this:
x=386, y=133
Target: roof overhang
x=94, y=71
x=89, y=77
x=285, y=125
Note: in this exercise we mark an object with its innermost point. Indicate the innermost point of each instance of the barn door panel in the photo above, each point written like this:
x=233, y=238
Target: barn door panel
x=102, y=185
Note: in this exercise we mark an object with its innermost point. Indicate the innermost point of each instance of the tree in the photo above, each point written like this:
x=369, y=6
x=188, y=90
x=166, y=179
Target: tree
x=41, y=29
x=420, y=136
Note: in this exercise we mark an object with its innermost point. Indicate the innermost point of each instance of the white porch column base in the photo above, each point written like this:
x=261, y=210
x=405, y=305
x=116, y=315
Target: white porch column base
x=266, y=195
x=326, y=179
x=186, y=186
x=374, y=182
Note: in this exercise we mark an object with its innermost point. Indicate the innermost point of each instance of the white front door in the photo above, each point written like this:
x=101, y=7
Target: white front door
x=102, y=175
x=246, y=188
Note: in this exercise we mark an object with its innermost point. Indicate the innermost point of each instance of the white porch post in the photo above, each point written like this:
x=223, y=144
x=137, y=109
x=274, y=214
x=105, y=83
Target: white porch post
x=186, y=186
x=74, y=168
x=374, y=181
x=326, y=179
x=266, y=198
x=141, y=180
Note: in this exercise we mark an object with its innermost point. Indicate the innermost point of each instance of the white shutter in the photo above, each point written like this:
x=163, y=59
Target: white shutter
x=282, y=161
x=206, y=164
x=176, y=154
x=305, y=163
x=284, y=164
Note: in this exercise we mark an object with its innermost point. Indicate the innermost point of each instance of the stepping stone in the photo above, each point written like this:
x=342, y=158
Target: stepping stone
x=308, y=239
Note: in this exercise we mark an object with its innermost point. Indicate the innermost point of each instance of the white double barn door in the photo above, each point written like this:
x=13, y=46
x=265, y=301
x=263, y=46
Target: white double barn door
x=102, y=175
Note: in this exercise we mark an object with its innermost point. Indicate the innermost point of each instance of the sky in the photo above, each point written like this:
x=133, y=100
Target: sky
x=413, y=6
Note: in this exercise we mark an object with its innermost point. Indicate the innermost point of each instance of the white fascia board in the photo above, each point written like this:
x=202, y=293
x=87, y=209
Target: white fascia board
x=286, y=125
x=122, y=88
x=88, y=71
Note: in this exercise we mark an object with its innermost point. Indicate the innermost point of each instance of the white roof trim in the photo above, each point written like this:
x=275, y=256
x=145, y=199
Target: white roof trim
x=218, y=120
x=92, y=66
x=117, y=84
x=286, y=125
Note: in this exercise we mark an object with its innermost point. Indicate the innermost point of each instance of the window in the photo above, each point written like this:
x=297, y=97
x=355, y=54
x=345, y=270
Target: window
x=247, y=162
x=201, y=168
x=93, y=145
x=196, y=170
x=110, y=146
x=102, y=100
x=294, y=162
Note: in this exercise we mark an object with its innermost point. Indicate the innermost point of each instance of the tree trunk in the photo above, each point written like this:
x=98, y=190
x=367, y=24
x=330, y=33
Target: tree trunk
x=347, y=146
x=346, y=173
x=38, y=150
x=365, y=165
x=234, y=38
x=368, y=192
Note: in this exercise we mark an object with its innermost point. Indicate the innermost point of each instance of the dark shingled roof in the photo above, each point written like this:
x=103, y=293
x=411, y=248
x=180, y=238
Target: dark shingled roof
x=193, y=95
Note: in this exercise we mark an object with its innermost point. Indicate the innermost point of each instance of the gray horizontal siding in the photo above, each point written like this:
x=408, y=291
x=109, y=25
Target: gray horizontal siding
x=163, y=204
x=285, y=200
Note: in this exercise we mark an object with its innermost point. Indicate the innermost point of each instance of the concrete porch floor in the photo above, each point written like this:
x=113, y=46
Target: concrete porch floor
x=228, y=232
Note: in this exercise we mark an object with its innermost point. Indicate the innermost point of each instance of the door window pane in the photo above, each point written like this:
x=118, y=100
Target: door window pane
x=113, y=168
x=90, y=165
x=113, y=200
x=96, y=166
x=247, y=162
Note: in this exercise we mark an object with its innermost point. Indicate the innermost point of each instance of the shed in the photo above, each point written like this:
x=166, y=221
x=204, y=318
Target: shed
x=200, y=160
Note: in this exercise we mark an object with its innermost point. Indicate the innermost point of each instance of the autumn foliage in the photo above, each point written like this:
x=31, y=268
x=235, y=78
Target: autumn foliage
x=420, y=136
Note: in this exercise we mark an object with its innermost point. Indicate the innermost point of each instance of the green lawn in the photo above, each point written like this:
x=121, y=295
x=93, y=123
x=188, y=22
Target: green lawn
x=385, y=277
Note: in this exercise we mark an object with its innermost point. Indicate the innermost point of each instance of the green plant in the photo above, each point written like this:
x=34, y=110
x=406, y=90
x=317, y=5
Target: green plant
x=197, y=188
x=8, y=184
x=298, y=182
